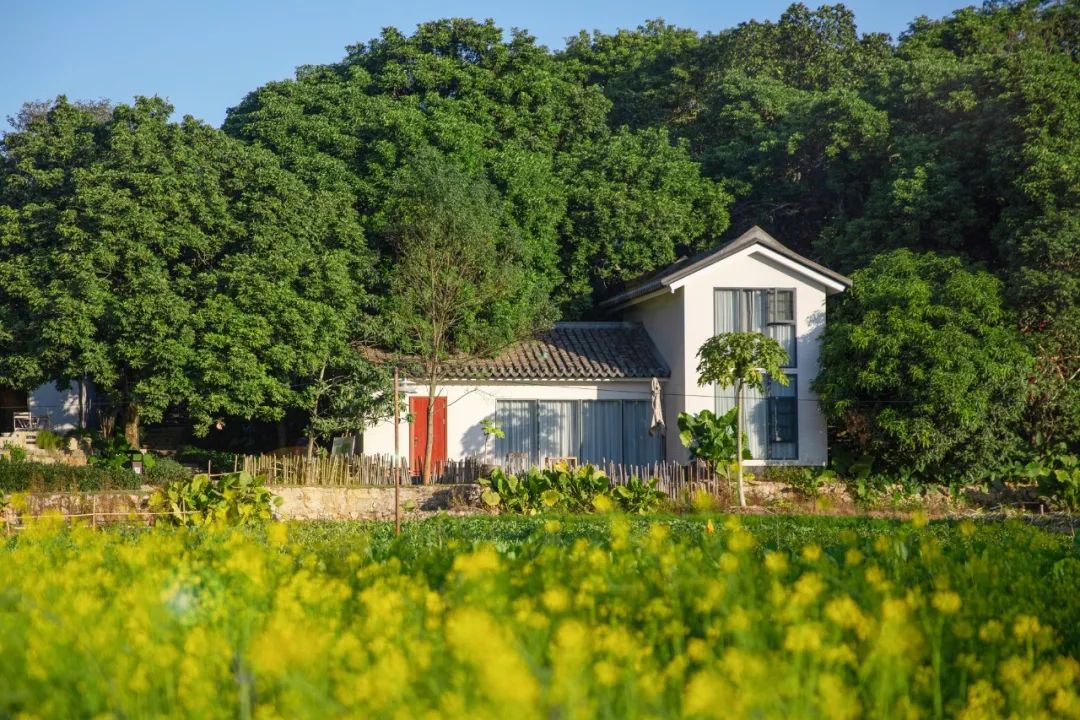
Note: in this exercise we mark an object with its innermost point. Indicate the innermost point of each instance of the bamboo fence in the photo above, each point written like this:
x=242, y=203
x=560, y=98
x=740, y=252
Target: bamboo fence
x=352, y=470
x=674, y=479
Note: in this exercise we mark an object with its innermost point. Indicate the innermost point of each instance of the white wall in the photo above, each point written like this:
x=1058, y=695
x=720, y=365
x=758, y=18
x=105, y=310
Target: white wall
x=663, y=318
x=469, y=403
x=746, y=269
x=60, y=406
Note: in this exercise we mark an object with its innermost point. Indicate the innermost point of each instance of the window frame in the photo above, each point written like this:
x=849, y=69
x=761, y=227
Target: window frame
x=770, y=306
x=770, y=410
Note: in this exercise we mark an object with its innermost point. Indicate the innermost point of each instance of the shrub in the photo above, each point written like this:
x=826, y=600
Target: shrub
x=164, y=471
x=806, y=480
x=232, y=499
x=15, y=453
x=218, y=460
x=562, y=489
x=48, y=440
x=922, y=368
x=1058, y=477
x=24, y=476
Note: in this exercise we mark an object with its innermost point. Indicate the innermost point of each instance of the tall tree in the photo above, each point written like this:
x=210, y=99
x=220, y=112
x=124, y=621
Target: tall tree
x=169, y=264
x=923, y=369
x=459, y=283
x=506, y=110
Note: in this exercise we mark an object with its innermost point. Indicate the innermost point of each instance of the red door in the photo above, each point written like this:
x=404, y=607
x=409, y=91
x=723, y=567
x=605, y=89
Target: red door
x=418, y=406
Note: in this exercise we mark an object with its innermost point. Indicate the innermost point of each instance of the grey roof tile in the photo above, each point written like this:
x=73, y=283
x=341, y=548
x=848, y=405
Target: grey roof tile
x=568, y=351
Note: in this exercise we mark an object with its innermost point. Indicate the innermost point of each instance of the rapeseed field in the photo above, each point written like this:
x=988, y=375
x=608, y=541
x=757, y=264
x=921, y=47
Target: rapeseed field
x=701, y=617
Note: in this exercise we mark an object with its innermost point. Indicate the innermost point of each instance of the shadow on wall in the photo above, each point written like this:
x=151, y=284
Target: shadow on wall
x=815, y=326
x=474, y=441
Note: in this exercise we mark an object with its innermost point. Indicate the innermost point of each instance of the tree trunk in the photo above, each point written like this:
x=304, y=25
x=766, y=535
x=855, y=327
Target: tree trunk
x=738, y=441
x=282, y=434
x=131, y=424
x=429, y=440
x=314, y=416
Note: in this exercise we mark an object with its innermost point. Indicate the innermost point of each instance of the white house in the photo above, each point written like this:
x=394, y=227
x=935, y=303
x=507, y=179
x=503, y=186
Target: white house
x=583, y=390
x=47, y=406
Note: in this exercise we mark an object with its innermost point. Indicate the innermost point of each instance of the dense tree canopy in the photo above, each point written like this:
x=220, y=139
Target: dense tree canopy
x=926, y=369
x=169, y=265
x=959, y=141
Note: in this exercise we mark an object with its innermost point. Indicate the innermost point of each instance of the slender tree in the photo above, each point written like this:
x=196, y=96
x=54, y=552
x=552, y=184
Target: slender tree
x=458, y=285
x=741, y=360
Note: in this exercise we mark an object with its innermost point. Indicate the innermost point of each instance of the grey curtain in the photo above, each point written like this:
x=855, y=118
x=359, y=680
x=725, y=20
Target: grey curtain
x=783, y=419
x=601, y=431
x=639, y=447
x=518, y=421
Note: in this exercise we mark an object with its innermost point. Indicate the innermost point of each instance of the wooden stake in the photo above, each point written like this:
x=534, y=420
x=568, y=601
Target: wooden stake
x=397, y=464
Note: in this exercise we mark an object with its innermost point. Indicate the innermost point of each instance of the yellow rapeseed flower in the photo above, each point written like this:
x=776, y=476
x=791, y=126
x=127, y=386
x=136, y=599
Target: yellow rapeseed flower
x=946, y=602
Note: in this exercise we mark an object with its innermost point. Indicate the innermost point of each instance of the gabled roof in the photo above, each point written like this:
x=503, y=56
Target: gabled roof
x=568, y=351
x=665, y=277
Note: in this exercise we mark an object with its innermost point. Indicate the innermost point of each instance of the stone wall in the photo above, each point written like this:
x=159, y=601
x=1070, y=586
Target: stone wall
x=298, y=503
x=370, y=503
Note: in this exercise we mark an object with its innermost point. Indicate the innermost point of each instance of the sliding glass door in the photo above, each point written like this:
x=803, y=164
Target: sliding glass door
x=590, y=431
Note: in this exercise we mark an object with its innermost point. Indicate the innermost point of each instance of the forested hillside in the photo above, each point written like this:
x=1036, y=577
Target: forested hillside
x=940, y=168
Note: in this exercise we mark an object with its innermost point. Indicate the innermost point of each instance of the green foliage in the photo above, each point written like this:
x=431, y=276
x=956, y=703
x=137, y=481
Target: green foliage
x=217, y=460
x=741, y=359
x=19, y=475
x=492, y=428
x=165, y=470
x=227, y=499
x=1058, y=478
x=807, y=480
x=560, y=488
x=175, y=265
x=711, y=437
x=15, y=453
x=48, y=440
x=921, y=368
x=116, y=452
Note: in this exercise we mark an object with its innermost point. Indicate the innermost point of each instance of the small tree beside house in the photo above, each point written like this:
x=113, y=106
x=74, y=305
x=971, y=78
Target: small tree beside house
x=741, y=360
x=460, y=283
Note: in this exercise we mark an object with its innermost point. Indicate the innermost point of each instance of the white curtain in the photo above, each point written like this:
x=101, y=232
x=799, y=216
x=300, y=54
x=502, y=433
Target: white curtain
x=557, y=421
x=725, y=311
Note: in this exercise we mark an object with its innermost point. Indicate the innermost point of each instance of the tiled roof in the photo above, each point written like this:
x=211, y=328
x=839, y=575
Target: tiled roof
x=569, y=351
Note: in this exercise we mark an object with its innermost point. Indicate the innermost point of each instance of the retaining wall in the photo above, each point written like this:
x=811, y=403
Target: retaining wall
x=298, y=503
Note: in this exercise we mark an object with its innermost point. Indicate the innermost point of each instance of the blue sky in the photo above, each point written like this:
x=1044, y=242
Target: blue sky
x=205, y=55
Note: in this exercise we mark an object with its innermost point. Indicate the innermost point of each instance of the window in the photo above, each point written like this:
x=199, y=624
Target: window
x=517, y=418
x=782, y=422
x=772, y=418
x=767, y=311
x=593, y=431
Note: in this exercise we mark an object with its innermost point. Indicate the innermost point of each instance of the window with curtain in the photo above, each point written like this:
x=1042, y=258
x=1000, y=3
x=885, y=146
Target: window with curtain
x=771, y=419
x=517, y=418
x=557, y=429
x=783, y=420
x=593, y=431
x=601, y=431
x=639, y=447
x=769, y=311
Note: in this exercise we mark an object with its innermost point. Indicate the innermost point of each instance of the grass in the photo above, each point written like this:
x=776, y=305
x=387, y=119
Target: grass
x=617, y=617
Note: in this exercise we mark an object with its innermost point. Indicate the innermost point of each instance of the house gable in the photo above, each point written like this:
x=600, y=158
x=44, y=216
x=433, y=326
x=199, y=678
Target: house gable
x=754, y=242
